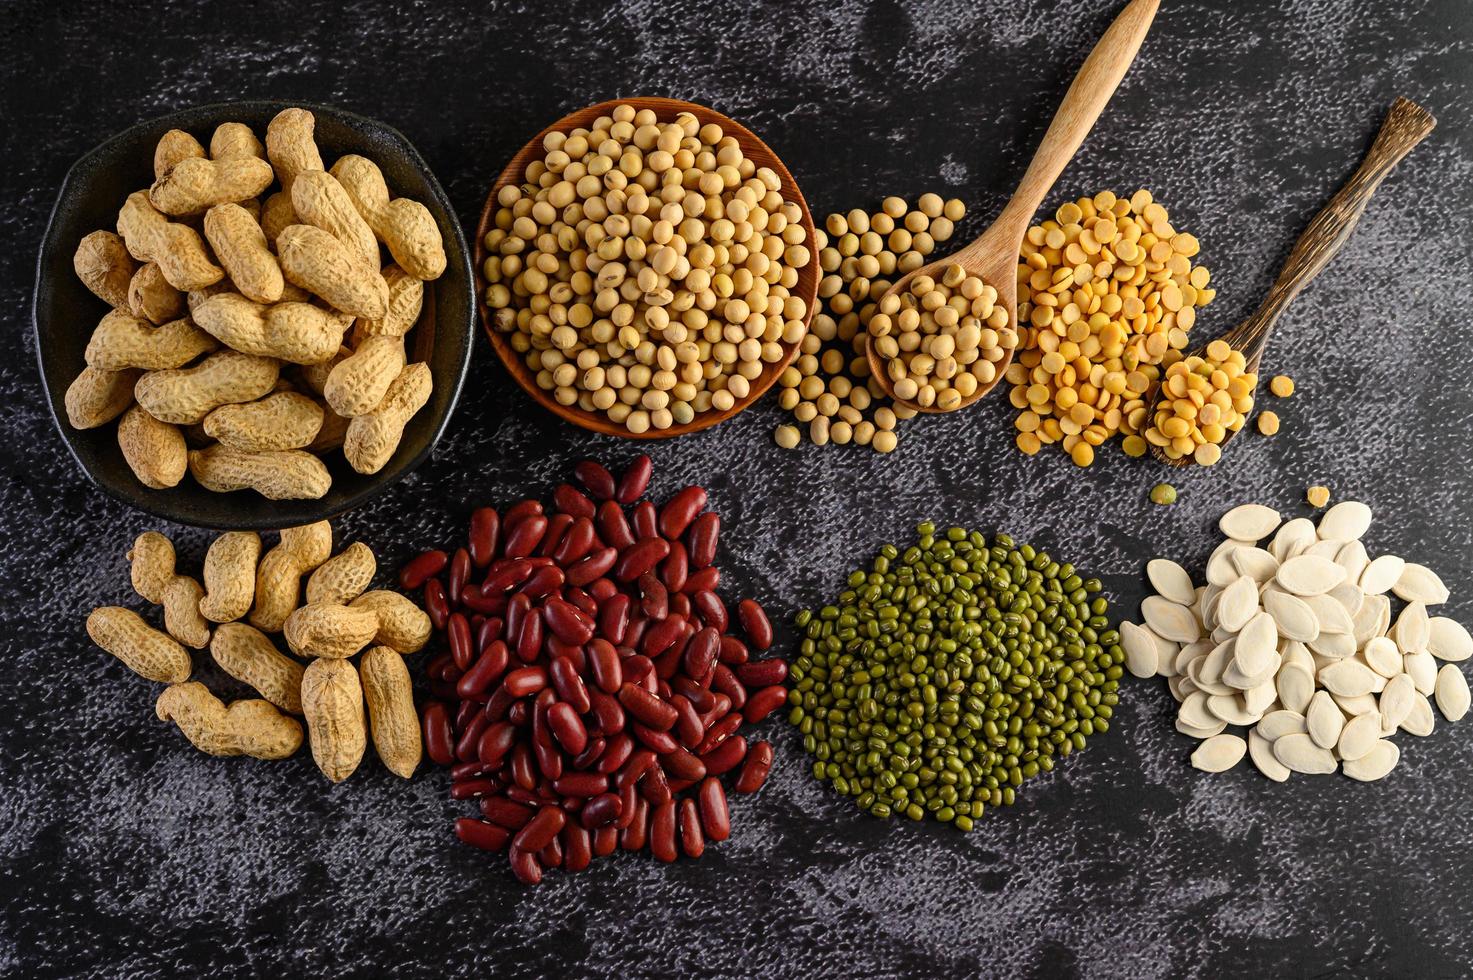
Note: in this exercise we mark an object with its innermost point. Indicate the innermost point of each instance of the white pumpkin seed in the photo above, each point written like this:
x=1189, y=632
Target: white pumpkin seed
x=1249, y=522
x=1220, y=568
x=1277, y=724
x=1294, y=652
x=1255, y=563
x=1295, y=686
x=1395, y=702
x=1422, y=669
x=1353, y=558
x=1193, y=711
x=1180, y=686
x=1230, y=708
x=1382, y=656
x=1413, y=629
x=1372, y=619
x=1349, y=596
x=1324, y=720
x=1346, y=521
x=1360, y=704
x=1234, y=677
x=1292, y=616
x=1333, y=646
x=1191, y=652
x=1359, y=736
x=1217, y=728
x=1330, y=615
x=1419, y=721
x=1205, y=594
x=1350, y=678
x=1170, y=620
x=1381, y=574
x=1261, y=751
x=1418, y=583
x=1306, y=575
x=1300, y=754
x=1452, y=692
x=1376, y=763
x=1219, y=753
x=1292, y=539
x=1171, y=580
x=1448, y=639
x=1257, y=641
x=1261, y=699
x=1238, y=603
x=1141, y=651
x=1210, y=668
x=1324, y=549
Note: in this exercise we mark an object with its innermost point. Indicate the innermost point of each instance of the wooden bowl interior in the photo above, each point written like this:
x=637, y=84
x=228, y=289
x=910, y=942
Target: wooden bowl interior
x=754, y=149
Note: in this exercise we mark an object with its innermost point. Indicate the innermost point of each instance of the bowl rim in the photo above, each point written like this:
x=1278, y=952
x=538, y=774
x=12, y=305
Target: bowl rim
x=146, y=502
x=512, y=173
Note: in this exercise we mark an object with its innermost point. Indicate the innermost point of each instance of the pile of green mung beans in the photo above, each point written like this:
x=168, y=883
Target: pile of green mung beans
x=950, y=672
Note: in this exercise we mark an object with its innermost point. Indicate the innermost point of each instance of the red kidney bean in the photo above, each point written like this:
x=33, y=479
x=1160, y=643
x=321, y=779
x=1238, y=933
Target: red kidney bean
x=602, y=590
x=576, y=542
x=732, y=651
x=569, y=622
x=644, y=520
x=507, y=577
x=702, y=536
x=596, y=478
x=605, y=841
x=460, y=570
x=675, y=569
x=755, y=623
x=506, y=813
x=629, y=799
x=525, y=866
x=439, y=739
x=680, y=764
x=634, y=632
x=472, y=598
x=603, y=664
x=470, y=789
x=661, y=742
x=467, y=770
x=719, y=732
x=681, y=785
x=485, y=534
x=583, y=784
x=567, y=728
x=608, y=712
x=464, y=714
x=488, y=667
x=648, y=708
x=421, y=568
x=698, y=696
x=557, y=526
x=688, y=728
x=436, y=605
x=549, y=759
x=518, y=512
x=467, y=745
x=615, y=754
x=479, y=833
x=585, y=603
x=762, y=673
x=592, y=566
x=543, y=582
x=711, y=609
x=705, y=580
x=495, y=743
x=692, y=840
x=568, y=499
x=600, y=811
x=613, y=526
x=723, y=681
x=662, y=832
x=577, y=848
x=529, y=642
x=655, y=787
x=634, y=836
x=654, y=597
x=530, y=797
x=517, y=611
x=700, y=653
x=525, y=680
x=458, y=631
x=520, y=713
x=489, y=632
x=523, y=768
x=569, y=686
x=525, y=536
x=662, y=636
x=635, y=480
x=726, y=756
x=640, y=557
x=591, y=753
x=754, y=771
x=641, y=761
x=680, y=605
x=764, y=702
x=715, y=820
x=680, y=510
x=500, y=704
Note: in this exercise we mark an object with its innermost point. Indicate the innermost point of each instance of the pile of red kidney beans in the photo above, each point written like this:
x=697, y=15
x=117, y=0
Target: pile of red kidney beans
x=589, y=678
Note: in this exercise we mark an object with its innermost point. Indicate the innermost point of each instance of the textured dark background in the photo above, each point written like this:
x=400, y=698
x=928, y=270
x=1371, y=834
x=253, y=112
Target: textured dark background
x=124, y=852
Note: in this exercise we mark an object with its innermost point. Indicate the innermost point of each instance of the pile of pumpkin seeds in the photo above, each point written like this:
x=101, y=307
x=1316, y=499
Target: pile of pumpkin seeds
x=948, y=673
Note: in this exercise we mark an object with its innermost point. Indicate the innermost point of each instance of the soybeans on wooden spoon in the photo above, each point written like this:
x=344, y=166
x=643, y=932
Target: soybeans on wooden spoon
x=1406, y=125
x=993, y=257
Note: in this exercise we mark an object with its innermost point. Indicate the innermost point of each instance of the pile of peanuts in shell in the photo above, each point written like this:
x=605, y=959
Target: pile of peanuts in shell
x=1107, y=293
x=589, y=677
x=244, y=354
x=828, y=388
x=646, y=269
x=246, y=597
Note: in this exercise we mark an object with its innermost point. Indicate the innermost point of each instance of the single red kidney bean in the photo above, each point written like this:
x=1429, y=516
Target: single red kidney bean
x=680, y=605
x=720, y=708
x=607, y=712
x=523, y=538
x=719, y=732
x=500, y=704
x=634, y=632
x=700, y=653
x=557, y=526
x=646, y=707
x=605, y=841
x=754, y=771
x=519, y=511
x=525, y=867
x=464, y=714
x=640, y=762
x=634, y=836
x=655, y=786
x=421, y=568
x=698, y=696
x=568, y=499
x=523, y=767
x=675, y=569
x=600, y=811
x=551, y=856
x=702, y=537
x=764, y=702
x=723, y=681
x=467, y=745
x=706, y=580
x=567, y=728
x=489, y=632
x=439, y=739
x=726, y=756
x=479, y=833
x=596, y=478
x=617, y=751
x=654, y=597
x=681, y=785
x=581, y=784
x=662, y=742
x=603, y=664
x=529, y=643
x=644, y=520
x=520, y=713
x=577, y=848
x=687, y=722
x=640, y=557
x=680, y=764
x=458, y=632
x=629, y=799
x=472, y=598
x=488, y=667
x=543, y=582
x=591, y=753
x=584, y=602
x=591, y=566
x=576, y=542
x=507, y=813
x=662, y=832
x=532, y=797
x=507, y=577
x=516, y=612
x=569, y=686
x=635, y=480
x=485, y=534
x=569, y=622
x=711, y=609
x=649, y=679
x=692, y=840
x=549, y=758
x=755, y=623
x=732, y=650
x=555, y=648
x=468, y=770
x=680, y=510
x=460, y=570
x=602, y=589
x=525, y=680
x=662, y=636
x=470, y=789
x=613, y=526
x=715, y=820
x=762, y=673
x=436, y=604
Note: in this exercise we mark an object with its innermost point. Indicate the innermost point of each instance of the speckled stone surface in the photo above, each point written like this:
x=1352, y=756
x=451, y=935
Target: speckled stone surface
x=125, y=853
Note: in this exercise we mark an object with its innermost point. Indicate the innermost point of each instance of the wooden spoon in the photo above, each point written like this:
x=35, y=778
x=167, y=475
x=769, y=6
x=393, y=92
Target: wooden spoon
x=1406, y=125
x=994, y=256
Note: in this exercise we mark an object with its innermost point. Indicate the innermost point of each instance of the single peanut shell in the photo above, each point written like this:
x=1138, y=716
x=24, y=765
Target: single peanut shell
x=96, y=397
x=289, y=474
x=279, y=579
x=173, y=148
x=151, y=565
x=405, y=227
x=147, y=652
x=330, y=630
x=285, y=420
x=154, y=450
x=195, y=185
x=235, y=141
x=402, y=625
x=290, y=146
x=240, y=246
x=277, y=214
x=182, y=618
x=359, y=382
x=185, y=396
x=390, y=696
x=372, y=438
x=177, y=248
x=320, y=200
x=343, y=578
x=151, y=297
x=298, y=333
x=249, y=656
x=122, y=340
x=103, y=264
x=332, y=702
x=230, y=576
x=322, y=265
x=406, y=299
x=254, y=728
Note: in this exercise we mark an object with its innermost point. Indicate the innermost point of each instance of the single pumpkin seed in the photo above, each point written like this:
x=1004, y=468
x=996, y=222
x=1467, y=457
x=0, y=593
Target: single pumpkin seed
x=1451, y=692
x=1374, y=764
x=1261, y=751
x=1171, y=580
x=1219, y=753
x=1300, y=754
x=1353, y=558
x=1359, y=736
x=1238, y=603
x=1292, y=539
x=1381, y=574
x=1333, y=646
x=1419, y=721
x=1346, y=521
x=1383, y=657
x=1306, y=575
x=1349, y=596
x=1194, y=711
x=1422, y=669
x=1220, y=568
x=1249, y=522
x=1170, y=620
x=1324, y=720
x=1292, y=616
x=1327, y=549
x=1260, y=698
x=1217, y=728
x=1448, y=639
x=1141, y=650
x=1255, y=563
x=1277, y=724
x=1295, y=686
x=1331, y=616
x=1413, y=630
x=1294, y=652
x=1395, y=702
x=1360, y=704
x=1230, y=708
x=1418, y=583
x=1372, y=619
x=1350, y=678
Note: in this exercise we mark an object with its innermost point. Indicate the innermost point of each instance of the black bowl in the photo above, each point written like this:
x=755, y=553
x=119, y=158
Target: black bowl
x=65, y=312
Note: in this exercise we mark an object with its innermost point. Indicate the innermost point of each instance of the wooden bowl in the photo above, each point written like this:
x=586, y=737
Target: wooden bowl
x=755, y=150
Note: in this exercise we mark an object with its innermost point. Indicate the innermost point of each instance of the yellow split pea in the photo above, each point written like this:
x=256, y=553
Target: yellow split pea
x=1203, y=399
x=1317, y=496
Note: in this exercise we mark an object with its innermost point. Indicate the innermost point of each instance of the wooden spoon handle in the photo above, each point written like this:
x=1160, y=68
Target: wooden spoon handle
x=1090, y=91
x=1406, y=125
